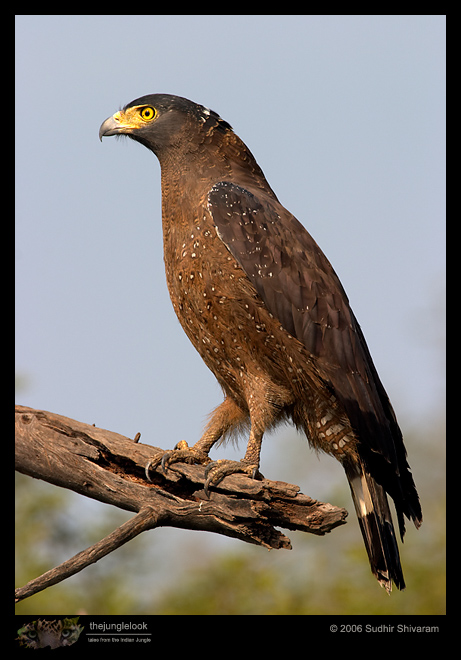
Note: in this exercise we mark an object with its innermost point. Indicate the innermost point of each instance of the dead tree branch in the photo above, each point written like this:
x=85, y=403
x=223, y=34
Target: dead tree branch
x=109, y=467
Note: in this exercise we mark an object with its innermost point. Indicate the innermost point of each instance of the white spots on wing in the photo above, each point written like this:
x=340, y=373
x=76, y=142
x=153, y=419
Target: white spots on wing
x=220, y=236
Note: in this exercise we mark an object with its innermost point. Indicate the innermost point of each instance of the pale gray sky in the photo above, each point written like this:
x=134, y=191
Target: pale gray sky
x=346, y=117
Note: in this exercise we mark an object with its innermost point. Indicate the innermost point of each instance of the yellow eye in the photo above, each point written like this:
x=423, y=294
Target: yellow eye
x=148, y=113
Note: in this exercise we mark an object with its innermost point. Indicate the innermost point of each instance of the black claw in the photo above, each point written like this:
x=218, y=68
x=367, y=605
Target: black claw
x=206, y=490
x=209, y=468
x=152, y=463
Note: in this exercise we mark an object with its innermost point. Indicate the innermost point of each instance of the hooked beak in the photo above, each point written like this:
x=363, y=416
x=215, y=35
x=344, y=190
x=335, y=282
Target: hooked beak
x=114, y=126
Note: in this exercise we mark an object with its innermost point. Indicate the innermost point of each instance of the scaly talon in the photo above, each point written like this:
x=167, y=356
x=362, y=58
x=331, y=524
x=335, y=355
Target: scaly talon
x=217, y=470
x=182, y=453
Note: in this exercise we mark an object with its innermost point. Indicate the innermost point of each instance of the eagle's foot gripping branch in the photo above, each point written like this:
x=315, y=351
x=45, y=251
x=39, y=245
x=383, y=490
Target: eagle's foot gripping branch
x=182, y=453
x=217, y=470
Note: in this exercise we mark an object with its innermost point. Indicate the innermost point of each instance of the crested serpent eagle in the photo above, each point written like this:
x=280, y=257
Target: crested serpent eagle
x=266, y=311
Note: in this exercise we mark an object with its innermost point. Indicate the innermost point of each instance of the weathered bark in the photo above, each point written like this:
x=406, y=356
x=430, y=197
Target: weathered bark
x=110, y=468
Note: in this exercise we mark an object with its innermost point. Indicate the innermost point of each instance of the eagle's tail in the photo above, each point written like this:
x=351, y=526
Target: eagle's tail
x=375, y=521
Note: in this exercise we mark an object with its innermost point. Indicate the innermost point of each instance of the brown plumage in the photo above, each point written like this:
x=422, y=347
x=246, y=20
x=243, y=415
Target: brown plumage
x=267, y=313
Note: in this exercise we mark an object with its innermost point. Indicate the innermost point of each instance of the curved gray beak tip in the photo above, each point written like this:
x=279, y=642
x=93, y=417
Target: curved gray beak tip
x=108, y=127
